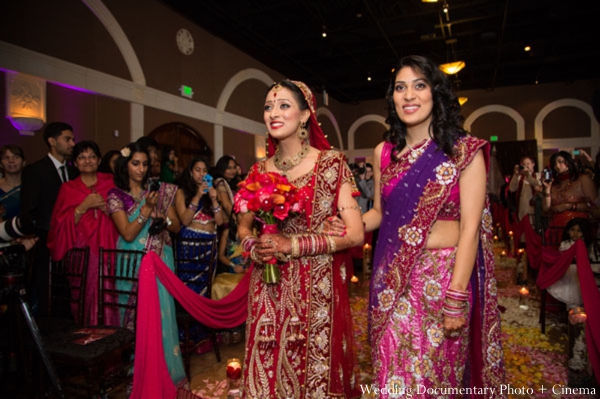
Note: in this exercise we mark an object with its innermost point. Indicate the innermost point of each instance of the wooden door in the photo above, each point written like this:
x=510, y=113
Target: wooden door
x=186, y=141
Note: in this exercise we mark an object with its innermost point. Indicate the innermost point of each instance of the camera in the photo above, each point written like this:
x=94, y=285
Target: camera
x=547, y=175
x=576, y=152
x=154, y=185
x=521, y=167
x=17, y=226
x=157, y=226
x=362, y=171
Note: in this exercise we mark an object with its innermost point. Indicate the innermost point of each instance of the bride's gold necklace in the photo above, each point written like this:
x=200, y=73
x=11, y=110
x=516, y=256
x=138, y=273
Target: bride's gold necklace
x=289, y=163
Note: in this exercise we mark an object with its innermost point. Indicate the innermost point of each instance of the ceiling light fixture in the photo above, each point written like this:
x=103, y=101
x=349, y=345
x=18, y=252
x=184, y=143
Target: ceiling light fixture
x=324, y=34
x=451, y=68
x=527, y=48
x=429, y=1
x=369, y=77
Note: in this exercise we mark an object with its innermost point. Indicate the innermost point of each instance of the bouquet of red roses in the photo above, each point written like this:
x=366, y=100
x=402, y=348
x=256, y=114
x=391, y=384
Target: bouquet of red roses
x=271, y=197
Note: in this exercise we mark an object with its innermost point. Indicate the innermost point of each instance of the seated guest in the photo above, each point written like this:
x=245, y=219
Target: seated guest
x=79, y=220
x=230, y=254
x=567, y=289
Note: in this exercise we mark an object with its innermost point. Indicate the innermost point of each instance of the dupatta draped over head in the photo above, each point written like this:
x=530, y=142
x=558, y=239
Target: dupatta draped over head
x=410, y=213
x=316, y=136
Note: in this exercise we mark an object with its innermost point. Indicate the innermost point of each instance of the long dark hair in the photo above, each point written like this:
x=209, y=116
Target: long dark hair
x=121, y=172
x=221, y=167
x=190, y=187
x=585, y=227
x=573, y=169
x=446, y=122
x=105, y=162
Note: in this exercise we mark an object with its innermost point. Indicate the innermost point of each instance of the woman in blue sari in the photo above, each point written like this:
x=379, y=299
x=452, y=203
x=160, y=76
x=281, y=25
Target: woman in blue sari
x=134, y=205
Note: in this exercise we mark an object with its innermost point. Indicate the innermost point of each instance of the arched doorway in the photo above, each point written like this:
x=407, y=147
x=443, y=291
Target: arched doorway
x=186, y=141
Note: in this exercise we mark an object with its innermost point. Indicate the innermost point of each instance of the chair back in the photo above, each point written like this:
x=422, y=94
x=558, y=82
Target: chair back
x=195, y=262
x=67, y=284
x=117, y=300
x=552, y=236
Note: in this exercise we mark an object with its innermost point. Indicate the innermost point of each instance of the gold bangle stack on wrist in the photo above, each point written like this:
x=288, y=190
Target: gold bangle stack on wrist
x=311, y=245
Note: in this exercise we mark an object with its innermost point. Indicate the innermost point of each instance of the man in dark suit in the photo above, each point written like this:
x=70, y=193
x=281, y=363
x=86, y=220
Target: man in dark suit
x=40, y=184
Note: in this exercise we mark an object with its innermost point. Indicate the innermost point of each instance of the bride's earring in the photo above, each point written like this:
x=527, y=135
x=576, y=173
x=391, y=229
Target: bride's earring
x=303, y=131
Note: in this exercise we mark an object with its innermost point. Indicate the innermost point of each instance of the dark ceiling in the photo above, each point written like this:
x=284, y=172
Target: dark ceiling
x=367, y=37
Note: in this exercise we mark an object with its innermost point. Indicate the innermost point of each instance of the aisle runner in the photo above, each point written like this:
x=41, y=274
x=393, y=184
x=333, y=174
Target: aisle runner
x=531, y=359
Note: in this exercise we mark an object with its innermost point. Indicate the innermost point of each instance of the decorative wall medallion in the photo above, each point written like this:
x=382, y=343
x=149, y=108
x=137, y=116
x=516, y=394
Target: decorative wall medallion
x=185, y=41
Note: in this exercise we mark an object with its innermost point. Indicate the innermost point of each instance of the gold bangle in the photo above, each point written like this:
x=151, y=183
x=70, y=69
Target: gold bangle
x=295, y=251
x=331, y=247
x=78, y=212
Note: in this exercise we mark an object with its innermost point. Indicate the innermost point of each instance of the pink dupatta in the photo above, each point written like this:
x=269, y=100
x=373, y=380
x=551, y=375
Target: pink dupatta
x=151, y=378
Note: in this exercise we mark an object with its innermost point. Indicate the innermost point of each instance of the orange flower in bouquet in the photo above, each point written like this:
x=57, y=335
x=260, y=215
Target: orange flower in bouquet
x=271, y=197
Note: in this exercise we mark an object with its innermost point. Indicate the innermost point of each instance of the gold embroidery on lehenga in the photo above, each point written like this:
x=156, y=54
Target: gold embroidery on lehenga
x=303, y=364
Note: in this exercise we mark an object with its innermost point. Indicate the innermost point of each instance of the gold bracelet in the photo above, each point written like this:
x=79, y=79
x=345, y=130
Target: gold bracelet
x=78, y=212
x=355, y=207
x=331, y=247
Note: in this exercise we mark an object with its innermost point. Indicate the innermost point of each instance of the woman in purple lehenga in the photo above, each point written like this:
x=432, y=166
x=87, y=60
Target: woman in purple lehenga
x=433, y=317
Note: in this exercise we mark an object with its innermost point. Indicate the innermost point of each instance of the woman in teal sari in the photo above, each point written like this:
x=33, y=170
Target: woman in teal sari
x=135, y=206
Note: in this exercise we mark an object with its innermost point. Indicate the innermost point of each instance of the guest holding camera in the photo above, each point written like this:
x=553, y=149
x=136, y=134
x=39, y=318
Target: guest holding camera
x=144, y=214
x=197, y=207
x=525, y=182
x=569, y=194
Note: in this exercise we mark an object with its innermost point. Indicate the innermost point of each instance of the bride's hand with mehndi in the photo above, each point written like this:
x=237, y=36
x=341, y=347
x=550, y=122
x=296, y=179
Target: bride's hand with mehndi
x=270, y=245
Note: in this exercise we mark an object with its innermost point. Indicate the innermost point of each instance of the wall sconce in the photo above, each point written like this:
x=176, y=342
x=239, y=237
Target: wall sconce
x=452, y=68
x=25, y=102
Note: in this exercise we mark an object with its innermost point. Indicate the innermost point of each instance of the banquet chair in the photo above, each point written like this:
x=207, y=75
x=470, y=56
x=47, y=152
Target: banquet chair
x=68, y=286
x=93, y=360
x=551, y=239
x=195, y=265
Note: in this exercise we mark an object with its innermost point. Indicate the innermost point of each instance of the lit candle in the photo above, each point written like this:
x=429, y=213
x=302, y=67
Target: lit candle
x=234, y=369
x=367, y=253
x=354, y=279
x=495, y=238
x=524, y=291
x=502, y=254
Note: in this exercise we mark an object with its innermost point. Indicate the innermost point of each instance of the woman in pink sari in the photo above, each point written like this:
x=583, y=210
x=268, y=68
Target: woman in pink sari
x=433, y=317
x=79, y=219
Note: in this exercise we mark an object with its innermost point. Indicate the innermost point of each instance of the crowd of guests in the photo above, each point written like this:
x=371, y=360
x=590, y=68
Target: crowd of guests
x=76, y=198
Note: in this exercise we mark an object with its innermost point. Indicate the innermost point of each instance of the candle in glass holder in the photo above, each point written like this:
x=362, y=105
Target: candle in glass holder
x=577, y=315
x=234, y=373
x=502, y=254
x=367, y=253
x=495, y=238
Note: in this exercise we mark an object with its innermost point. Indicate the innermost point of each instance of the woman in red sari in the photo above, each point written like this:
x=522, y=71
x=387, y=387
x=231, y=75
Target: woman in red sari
x=299, y=336
x=79, y=219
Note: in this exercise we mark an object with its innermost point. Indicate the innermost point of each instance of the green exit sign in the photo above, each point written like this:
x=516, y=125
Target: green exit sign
x=186, y=91
x=493, y=138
